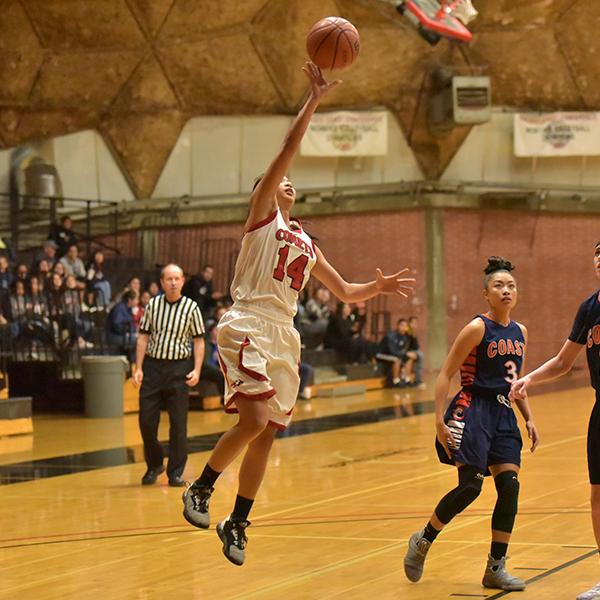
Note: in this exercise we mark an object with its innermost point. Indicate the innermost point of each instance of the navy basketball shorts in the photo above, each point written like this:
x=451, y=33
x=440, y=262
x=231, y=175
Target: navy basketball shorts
x=484, y=432
x=593, y=443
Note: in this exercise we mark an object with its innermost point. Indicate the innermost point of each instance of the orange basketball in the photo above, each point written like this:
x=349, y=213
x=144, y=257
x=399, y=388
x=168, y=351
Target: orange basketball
x=333, y=43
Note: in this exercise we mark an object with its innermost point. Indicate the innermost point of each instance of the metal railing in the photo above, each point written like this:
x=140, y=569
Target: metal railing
x=31, y=217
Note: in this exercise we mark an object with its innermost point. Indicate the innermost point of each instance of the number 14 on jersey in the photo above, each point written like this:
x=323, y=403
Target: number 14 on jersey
x=295, y=270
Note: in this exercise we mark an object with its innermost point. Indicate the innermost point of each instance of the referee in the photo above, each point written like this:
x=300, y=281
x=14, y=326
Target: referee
x=166, y=370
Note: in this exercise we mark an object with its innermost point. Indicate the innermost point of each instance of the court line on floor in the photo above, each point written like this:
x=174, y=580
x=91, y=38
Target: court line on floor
x=357, y=559
x=361, y=557
x=258, y=527
x=374, y=489
x=125, y=455
x=364, y=492
x=94, y=538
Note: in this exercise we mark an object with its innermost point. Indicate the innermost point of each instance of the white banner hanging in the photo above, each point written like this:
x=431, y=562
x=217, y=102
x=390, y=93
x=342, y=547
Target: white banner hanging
x=346, y=134
x=557, y=134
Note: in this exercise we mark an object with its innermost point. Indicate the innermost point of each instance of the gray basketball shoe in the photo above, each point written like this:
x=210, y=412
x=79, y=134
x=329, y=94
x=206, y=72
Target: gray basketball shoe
x=591, y=594
x=195, y=505
x=233, y=536
x=496, y=576
x=414, y=560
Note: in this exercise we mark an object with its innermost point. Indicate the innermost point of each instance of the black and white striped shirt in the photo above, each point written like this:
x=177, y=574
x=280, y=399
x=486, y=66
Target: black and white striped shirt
x=171, y=327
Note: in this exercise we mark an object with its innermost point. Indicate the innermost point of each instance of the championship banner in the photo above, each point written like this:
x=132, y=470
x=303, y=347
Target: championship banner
x=557, y=134
x=346, y=134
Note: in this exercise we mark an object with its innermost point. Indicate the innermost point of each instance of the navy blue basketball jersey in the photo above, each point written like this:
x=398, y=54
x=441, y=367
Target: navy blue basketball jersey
x=496, y=362
x=586, y=330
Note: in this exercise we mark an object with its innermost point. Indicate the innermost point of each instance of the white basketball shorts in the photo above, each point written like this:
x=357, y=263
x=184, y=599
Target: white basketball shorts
x=259, y=357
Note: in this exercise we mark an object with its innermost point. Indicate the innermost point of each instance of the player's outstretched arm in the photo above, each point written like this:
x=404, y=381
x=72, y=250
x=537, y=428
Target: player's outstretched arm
x=555, y=367
x=466, y=340
x=396, y=284
x=262, y=201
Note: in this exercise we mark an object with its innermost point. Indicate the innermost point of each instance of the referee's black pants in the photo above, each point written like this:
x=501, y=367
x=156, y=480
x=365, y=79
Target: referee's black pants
x=165, y=380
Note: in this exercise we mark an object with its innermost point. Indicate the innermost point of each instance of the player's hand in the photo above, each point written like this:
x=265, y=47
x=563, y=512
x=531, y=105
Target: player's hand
x=394, y=284
x=518, y=390
x=192, y=378
x=533, y=435
x=318, y=85
x=444, y=436
x=138, y=377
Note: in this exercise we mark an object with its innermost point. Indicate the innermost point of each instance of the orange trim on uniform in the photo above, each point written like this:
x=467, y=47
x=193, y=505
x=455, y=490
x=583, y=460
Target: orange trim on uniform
x=262, y=223
x=468, y=369
x=253, y=374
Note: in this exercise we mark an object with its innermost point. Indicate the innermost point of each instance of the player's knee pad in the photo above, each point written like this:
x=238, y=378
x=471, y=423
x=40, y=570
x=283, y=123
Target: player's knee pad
x=470, y=481
x=505, y=511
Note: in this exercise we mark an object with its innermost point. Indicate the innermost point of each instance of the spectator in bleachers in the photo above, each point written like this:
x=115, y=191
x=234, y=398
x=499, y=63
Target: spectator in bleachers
x=395, y=349
x=47, y=253
x=413, y=331
x=60, y=270
x=39, y=325
x=90, y=304
x=4, y=332
x=154, y=289
x=220, y=310
x=6, y=276
x=63, y=235
x=71, y=305
x=18, y=309
x=143, y=301
x=74, y=265
x=22, y=273
x=200, y=289
x=359, y=318
x=43, y=272
x=64, y=322
x=53, y=292
x=120, y=327
x=315, y=321
x=211, y=370
x=97, y=278
x=350, y=346
x=134, y=284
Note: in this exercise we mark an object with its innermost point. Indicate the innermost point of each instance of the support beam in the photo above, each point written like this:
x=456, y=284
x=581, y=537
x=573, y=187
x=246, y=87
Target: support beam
x=437, y=338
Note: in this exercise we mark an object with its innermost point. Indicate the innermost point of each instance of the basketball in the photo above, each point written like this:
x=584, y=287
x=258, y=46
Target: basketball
x=333, y=43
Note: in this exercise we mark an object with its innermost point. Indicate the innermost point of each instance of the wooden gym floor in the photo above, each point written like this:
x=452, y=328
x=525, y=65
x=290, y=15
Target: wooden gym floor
x=355, y=477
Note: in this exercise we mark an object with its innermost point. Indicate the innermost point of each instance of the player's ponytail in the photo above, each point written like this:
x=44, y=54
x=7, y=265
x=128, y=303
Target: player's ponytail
x=495, y=264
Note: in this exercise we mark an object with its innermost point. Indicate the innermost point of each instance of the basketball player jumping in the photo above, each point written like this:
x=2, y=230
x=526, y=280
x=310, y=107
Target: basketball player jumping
x=478, y=432
x=585, y=332
x=258, y=345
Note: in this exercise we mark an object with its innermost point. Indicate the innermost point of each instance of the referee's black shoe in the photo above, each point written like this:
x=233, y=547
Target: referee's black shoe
x=151, y=475
x=177, y=481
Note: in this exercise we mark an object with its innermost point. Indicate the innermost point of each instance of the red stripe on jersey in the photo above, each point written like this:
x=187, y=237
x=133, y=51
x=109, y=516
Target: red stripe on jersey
x=246, y=370
x=278, y=425
x=262, y=396
x=262, y=223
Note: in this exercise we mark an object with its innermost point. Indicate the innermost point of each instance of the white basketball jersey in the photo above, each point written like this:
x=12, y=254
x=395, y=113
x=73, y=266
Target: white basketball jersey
x=273, y=266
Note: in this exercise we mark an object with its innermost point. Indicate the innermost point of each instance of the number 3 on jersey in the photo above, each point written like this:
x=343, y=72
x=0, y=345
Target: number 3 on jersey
x=511, y=371
x=295, y=270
